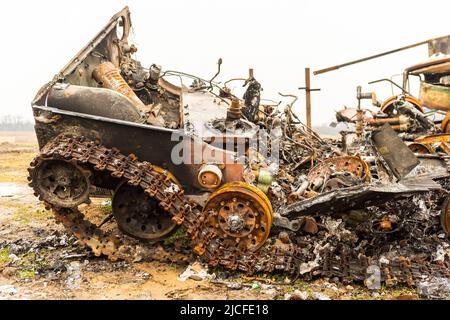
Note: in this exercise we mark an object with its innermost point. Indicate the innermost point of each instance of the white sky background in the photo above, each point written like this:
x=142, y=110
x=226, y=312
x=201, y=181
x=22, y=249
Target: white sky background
x=276, y=38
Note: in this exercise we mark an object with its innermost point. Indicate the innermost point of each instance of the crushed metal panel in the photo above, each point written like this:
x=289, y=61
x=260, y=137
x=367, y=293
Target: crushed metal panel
x=356, y=197
x=400, y=159
x=431, y=167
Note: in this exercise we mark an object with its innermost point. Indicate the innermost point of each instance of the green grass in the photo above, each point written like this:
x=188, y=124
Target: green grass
x=14, y=166
x=179, y=235
x=4, y=256
x=26, y=274
x=29, y=264
x=107, y=208
x=25, y=213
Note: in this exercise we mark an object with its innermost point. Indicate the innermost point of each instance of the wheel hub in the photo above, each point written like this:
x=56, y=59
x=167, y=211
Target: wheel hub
x=61, y=183
x=235, y=223
x=139, y=215
x=236, y=218
x=241, y=215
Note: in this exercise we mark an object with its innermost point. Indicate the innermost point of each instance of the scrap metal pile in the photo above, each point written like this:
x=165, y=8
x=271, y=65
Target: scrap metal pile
x=361, y=208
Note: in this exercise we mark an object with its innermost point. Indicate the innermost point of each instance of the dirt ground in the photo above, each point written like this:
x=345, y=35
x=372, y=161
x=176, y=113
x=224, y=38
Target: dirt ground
x=38, y=260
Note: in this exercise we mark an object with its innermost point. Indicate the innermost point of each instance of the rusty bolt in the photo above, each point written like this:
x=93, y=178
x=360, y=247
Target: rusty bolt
x=234, y=112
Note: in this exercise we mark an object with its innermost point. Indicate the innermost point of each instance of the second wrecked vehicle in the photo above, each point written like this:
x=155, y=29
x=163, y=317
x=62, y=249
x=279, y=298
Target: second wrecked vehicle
x=186, y=156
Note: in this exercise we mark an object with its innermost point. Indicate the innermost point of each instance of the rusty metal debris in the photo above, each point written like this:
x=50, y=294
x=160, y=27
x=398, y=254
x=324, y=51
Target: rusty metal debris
x=369, y=207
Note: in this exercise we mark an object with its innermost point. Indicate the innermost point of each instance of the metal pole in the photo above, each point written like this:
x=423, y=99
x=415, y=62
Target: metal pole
x=375, y=56
x=308, y=97
x=308, y=90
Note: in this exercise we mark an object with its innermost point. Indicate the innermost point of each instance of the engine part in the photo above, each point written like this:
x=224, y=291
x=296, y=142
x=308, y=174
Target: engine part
x=389, y=106
x=210, y=176
x=264, y=180
x=397, y=127
x=234, y=112
x=400, y=120
x=319, y=174
x=108, y=76
x=153, y=76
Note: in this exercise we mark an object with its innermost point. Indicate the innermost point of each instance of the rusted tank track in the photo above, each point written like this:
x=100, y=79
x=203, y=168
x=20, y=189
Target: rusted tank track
x=159, y=184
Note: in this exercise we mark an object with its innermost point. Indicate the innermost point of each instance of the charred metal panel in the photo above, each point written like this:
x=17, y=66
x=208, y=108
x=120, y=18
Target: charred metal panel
x=149, y=143
x=356, y=197
x=400, y=159
x=95, y=101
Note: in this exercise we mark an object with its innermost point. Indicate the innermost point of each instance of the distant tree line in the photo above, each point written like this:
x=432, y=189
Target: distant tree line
x=15, y=123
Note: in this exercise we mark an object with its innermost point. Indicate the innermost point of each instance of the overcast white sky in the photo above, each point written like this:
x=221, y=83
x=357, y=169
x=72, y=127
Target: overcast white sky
x=276, y=38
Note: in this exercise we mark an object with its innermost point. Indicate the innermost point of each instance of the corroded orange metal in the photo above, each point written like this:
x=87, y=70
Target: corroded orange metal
x=445, y=123
x=352, y=164
x=241, y=214
x=381, y=121
x=209, y=176
x=420, y=148
x=386, y=224
x=389, y=102
x=441, y=139
x=109, y=77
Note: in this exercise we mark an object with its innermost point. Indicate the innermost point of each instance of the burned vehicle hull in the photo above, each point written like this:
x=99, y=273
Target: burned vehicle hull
x=103, y=101
x=178, y=158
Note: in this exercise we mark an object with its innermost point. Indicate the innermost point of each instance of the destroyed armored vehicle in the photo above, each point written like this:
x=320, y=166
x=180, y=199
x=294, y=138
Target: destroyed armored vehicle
x=197, y=158
x=187, y=140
